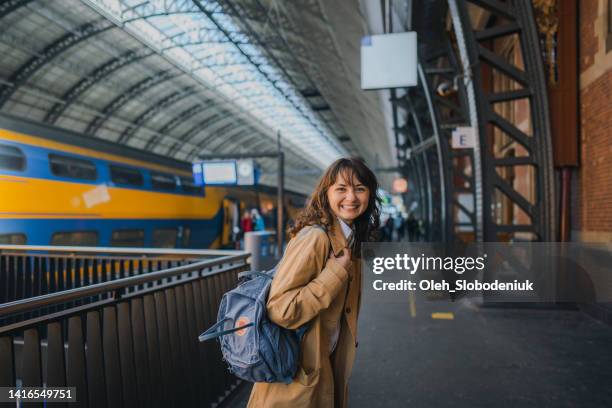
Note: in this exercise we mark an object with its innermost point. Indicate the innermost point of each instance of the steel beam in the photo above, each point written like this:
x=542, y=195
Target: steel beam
x=214, y=134
x=51, y=51
x=153, y=110
x=148, y=9
x=136, y=90
x=226, y=147
x=232, y=135
x=8, y=6
x=176, y=121
x=93, y=78
x=446, y=114
x=223, y=134
x=413, y=167
x=195, y=130
x=425, y=165
x=208, y=126
x=253, y=135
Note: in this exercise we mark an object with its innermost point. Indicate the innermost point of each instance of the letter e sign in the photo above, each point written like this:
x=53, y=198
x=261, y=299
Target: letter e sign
x=464, y=137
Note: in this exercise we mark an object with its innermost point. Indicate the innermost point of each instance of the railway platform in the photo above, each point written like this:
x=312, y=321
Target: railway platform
x=458, y=354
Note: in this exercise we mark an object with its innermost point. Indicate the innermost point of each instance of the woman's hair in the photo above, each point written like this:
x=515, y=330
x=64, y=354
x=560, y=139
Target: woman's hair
x=318, y=210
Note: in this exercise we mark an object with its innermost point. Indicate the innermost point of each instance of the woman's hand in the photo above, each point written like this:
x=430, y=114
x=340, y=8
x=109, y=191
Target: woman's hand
x=344, y=259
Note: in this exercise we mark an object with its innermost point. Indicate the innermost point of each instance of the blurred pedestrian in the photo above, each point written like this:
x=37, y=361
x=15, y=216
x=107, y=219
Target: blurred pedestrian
x=399, y=227
x=389, y=229
x=258, y=221
x=412, y=226
x=246, y=223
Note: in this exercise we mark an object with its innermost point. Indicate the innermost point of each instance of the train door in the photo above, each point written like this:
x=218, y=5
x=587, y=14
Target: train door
x=231, y=222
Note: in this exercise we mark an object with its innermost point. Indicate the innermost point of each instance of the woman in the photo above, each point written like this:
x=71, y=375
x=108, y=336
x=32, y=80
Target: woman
x=247, y=222
x=318, y=282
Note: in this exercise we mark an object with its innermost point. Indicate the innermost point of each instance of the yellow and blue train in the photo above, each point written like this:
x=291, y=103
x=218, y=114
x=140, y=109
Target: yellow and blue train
x=61, y=188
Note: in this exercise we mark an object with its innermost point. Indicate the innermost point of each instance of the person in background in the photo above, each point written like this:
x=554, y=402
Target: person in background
x=246, y=223
x=421, y=230
x=382, y=230
x=412, y=225
x=389, y=229
x=258, y=221
x=399, y=226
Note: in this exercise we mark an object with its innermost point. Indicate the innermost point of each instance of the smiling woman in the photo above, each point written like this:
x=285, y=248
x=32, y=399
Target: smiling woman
x=347, y=190
x=318, y=285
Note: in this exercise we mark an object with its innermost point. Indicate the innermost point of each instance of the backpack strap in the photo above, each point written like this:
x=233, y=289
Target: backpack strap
x=253, y=273
x=301, y=331
x=213, y=331
x=325, y=230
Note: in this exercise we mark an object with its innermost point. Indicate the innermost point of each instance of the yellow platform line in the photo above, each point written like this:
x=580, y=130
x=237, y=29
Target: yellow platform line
x=412, y=304
x=443, y=316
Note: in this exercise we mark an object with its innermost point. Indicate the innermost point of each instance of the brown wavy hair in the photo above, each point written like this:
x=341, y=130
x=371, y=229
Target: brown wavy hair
x=318, y=210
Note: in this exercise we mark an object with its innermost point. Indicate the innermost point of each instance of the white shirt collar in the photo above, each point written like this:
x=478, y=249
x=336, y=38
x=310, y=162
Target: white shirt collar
x=346, y=229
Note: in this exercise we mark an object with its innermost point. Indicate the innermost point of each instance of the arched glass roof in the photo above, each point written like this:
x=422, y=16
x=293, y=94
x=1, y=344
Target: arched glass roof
x=204, y=41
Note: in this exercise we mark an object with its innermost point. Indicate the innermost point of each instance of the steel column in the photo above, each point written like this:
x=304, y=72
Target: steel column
x=518, y=19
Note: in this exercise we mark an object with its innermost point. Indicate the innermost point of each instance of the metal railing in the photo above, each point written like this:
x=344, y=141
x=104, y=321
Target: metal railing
x=135, y=344
x=27, y=271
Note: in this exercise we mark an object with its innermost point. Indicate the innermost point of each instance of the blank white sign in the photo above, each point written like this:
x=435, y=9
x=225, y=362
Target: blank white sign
x=220, y=172
x=389, y=61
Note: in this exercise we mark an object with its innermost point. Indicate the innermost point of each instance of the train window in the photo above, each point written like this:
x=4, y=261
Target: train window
x=11, y=158
x=188, y=186
x=66, y=166
x=164, y=238
x=12, y=239
x=161, y=181
x=128, y=238
x=126, y=175
x=75, y=238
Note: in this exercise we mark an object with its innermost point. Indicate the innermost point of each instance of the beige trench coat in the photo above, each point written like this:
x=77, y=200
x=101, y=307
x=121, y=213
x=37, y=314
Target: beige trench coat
x=310, y=288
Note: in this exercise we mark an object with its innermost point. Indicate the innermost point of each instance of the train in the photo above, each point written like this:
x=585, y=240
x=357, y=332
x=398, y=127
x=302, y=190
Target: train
x=59, y=187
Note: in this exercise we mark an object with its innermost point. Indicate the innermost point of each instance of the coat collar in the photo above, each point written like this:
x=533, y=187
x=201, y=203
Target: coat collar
x=336, y=236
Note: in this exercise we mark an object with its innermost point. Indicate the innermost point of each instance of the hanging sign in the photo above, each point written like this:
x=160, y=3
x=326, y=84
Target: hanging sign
x=463, y=137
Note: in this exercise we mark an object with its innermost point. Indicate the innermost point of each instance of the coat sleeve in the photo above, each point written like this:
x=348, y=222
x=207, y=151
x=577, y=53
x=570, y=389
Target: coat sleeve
x=306, y=282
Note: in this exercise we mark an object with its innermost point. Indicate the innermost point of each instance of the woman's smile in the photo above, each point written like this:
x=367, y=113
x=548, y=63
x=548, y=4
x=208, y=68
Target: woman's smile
x=349, y=207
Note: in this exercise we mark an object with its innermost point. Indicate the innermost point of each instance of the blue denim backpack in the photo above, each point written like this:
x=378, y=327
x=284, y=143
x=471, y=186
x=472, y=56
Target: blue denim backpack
x=255, y=348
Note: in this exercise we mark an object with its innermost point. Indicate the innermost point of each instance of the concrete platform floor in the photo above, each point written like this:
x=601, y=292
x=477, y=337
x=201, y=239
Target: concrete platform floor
x=482, y=357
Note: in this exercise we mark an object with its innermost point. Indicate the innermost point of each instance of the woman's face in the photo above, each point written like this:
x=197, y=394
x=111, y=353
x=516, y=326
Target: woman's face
x=348, y=200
